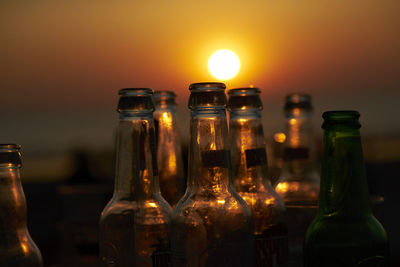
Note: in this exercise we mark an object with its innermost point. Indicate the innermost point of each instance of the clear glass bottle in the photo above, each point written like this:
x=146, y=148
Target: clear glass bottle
x=134, y=226
x=345, y=231
x=17, y=249
x=298, y=184
x=250, y=170
x=211, y=224
x=169, y=158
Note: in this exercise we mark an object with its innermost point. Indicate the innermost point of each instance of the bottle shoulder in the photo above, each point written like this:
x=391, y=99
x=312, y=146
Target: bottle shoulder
x=267, y=211
x=263, y=201
x=298, y=188
x=150, y=208
x=20, y=252
x=206, y=209
x=365, y=229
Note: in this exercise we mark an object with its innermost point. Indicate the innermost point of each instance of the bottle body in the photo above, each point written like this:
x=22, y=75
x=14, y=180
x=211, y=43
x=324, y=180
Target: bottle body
x=345, y=232
x=169, y=158
x=134, y=234
x=211, y=224
x=134, y=226
x=249, y=164
x=298, y=184
x=16, y=245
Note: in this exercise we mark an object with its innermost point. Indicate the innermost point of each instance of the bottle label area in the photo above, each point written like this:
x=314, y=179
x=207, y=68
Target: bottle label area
x=256, y=157
x=296, y=153
x=215, y=158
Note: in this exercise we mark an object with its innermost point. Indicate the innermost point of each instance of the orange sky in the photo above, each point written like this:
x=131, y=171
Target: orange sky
x=71, y=57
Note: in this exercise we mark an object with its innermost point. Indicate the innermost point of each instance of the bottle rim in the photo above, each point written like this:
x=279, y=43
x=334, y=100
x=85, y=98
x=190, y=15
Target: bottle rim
x=341, y=114
x=341, y=117
x=298, y=100
x=246, y=99
x=10, y=155
x=207, y=86
x=244, y=91
x=139, y=91
x=164, y=98
x=164, y=94
x=10, y=147
x=135, y=99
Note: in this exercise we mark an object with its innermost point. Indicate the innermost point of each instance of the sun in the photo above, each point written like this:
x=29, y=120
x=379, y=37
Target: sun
x=224, y=64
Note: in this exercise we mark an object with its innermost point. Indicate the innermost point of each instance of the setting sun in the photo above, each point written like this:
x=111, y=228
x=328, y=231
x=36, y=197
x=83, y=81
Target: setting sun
x=224, y=64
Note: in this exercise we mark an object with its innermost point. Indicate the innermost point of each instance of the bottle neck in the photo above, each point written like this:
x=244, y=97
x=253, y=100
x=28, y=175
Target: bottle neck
x=169, y=156
x=136, y=168
x=165, y=125
x=299, y=143
x=12, y=200
x=209, y=157
x=344, y=190
x=249, y=160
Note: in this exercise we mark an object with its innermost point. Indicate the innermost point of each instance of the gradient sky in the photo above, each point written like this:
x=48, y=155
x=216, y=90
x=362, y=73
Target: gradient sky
x=62, y=62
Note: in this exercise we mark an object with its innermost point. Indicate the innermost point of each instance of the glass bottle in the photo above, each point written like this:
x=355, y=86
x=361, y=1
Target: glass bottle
x=345, y=232
x=17, y=249
x=250, y=170
x=298, y=184
x=134, y=225
x=211, y=224
x=169, y=158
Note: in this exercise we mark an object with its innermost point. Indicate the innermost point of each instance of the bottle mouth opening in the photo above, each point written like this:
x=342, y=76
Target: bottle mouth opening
x=245, y=91
x=298, y=100
x=207, y=87
x=135, y=99
x=10, y=155
x=244, y=99
x=135, y=92
x=164, y=98
x=9, y=147
x=341, y=117
x=164, y=94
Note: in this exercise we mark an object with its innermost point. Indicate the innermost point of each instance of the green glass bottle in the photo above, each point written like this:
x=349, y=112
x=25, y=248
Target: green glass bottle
x=345, y=233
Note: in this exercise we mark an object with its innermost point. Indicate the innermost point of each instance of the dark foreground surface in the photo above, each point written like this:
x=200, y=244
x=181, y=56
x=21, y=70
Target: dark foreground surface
x=63, y=217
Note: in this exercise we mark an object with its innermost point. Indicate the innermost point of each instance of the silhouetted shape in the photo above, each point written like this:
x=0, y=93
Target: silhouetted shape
x=17, y=249
x=134, y=226
x=250, y=171
x=169, y=157
x=345, y=232
x=211, y=224
x=298, y=184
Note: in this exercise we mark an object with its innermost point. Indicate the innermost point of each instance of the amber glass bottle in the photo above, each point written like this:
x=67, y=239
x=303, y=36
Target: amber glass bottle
x=211, y=224
x=298, y=184
x=169, y=157
x=134, y=226
x=249, y=164
x=17, y=249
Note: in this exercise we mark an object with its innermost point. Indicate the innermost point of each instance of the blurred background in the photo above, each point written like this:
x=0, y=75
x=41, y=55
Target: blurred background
x=63, y=62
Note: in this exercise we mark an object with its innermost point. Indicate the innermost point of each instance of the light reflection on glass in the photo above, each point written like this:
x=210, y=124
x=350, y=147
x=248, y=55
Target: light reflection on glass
x=172, y=162
x=294, y=137
x=280, y=137
x=166, y=120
